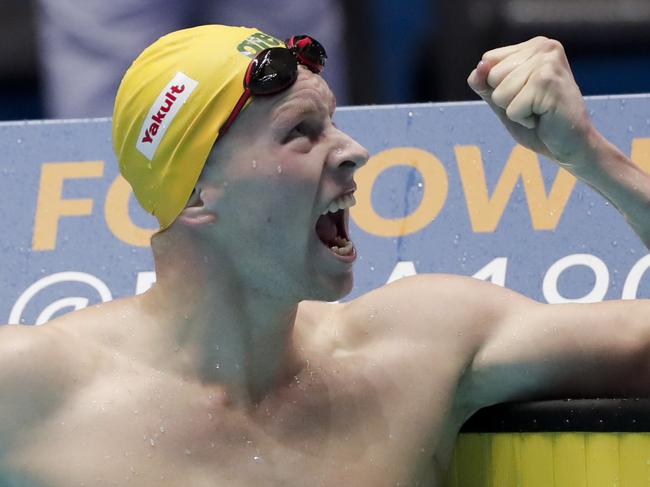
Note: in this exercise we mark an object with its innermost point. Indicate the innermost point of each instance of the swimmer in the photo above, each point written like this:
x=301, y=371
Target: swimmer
x=232, y=370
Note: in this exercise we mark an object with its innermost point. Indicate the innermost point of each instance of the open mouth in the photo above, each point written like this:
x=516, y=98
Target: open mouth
x=331, y=229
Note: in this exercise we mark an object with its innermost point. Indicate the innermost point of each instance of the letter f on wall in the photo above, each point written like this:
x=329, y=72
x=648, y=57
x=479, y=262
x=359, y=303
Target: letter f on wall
x=51, y=205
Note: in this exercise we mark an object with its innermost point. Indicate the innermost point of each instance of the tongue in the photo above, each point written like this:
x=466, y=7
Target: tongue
x=326, y=229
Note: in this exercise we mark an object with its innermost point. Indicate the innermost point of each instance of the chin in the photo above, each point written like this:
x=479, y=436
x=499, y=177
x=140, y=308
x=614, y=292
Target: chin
x=333, y=289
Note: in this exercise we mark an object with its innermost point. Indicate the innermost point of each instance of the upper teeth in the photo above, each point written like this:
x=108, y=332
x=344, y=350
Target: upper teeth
x=341, y=203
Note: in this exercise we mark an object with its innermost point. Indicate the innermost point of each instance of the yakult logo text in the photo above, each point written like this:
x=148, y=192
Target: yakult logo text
x=162, y=113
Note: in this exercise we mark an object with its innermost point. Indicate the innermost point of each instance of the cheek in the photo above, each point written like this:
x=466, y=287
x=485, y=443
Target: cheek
x=301, y=146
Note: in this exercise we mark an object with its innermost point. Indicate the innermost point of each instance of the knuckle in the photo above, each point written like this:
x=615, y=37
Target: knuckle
x=545, y=76
x=488, y=57
x=499, y=98
x=514, y=106
x=554, y=45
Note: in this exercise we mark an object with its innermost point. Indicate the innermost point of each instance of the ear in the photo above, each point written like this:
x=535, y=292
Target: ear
x=201, y=208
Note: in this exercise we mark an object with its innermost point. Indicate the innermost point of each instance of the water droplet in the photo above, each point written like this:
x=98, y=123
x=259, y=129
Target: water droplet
x=420, y=185
x=279, y=169
x=254, y=164
x=210, y=416
x=152, y=442
x=216, y=366
x=614, y=243
x=162, y=429
x=19, y=141
x=257, y=458
x=188, y=451
x=630, y=129
x=372, y=267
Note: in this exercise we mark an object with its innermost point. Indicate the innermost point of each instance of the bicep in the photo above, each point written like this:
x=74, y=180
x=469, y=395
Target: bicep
x=32, y=365
x=539, y=351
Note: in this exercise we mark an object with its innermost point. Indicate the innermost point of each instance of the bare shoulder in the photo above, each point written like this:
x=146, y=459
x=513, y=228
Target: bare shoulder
x=39, y=369
x=432, y=307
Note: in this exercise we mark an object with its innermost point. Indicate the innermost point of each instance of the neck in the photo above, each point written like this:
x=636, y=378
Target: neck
x=216, y=328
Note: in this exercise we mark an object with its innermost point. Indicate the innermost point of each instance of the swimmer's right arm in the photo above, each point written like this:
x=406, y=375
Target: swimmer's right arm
x=35, y=377
x=532, y=90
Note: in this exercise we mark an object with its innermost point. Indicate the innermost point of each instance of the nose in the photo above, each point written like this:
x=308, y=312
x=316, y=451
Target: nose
x=347, y=153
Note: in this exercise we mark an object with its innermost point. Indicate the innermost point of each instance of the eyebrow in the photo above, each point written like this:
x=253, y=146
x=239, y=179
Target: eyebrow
x=302, y=106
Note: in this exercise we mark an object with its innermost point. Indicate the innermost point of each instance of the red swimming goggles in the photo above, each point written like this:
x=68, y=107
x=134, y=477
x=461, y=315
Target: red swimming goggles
x=275, y=69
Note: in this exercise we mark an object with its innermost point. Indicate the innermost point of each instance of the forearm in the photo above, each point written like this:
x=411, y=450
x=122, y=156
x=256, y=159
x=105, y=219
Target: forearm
x=606, y=169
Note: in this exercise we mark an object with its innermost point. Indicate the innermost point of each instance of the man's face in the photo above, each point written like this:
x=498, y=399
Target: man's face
x=281, y=166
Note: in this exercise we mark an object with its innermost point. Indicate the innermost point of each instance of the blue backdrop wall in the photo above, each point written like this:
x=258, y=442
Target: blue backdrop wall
x=446, y=190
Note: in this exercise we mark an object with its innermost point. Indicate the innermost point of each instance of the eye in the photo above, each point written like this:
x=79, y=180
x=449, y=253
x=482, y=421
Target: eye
x=303, y=129
x=300, y=130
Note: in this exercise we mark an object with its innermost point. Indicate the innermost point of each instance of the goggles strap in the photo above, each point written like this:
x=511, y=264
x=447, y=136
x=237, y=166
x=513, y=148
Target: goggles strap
x=235, y=111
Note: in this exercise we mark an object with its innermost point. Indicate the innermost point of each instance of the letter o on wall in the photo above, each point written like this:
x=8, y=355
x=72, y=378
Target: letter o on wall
x=436, y=186
x=549, y=287
x=631, y=286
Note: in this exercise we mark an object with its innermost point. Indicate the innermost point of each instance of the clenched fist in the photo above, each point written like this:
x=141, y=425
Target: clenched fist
x=531, y=88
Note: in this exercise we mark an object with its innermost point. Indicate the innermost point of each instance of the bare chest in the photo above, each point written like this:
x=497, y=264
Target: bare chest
x=325, y=429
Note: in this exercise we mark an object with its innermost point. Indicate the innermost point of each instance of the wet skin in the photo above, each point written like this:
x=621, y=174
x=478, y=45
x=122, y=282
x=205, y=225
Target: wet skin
x=231, y=371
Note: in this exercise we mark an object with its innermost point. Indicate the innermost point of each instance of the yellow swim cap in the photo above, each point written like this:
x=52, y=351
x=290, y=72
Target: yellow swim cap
x=170, y=106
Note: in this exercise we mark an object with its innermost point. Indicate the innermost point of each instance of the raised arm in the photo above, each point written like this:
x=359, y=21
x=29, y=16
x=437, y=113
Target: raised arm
x=36, y=375
x=516, y=349
x=535, y=351
x=532, y=90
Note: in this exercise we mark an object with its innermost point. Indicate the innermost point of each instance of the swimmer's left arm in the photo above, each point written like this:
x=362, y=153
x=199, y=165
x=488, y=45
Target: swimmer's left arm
x=541, y=351
x=531, y=88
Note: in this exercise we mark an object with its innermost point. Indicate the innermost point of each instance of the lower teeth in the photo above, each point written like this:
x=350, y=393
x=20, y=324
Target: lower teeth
x=345, y=248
